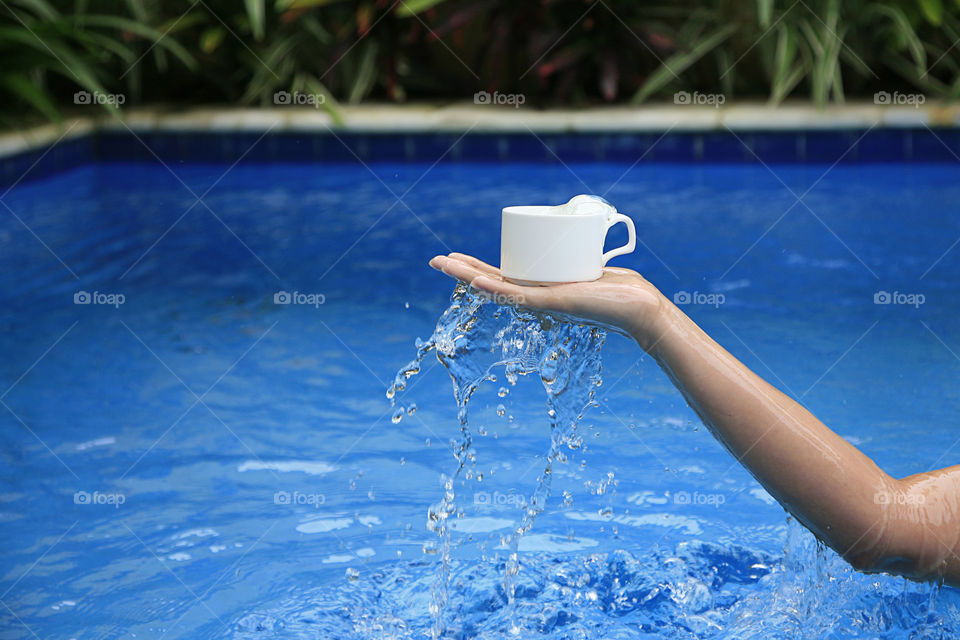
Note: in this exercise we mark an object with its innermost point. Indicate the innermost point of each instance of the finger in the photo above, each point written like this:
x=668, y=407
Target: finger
x=460, y=270
x=437, y=262
x=478, y=264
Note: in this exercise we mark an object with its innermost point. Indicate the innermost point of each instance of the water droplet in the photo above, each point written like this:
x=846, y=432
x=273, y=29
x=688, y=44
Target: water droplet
x=503, y=392
x=412, y=409
x=403, y=461
x=352, y=574
x=397, y=416
x=501, y=410
x=406, y=305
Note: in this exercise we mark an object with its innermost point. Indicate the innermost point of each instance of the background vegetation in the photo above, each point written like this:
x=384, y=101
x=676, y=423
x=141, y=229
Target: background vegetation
x=555, y=52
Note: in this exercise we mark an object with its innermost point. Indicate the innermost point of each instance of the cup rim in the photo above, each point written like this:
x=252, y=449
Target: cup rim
x=539, y=211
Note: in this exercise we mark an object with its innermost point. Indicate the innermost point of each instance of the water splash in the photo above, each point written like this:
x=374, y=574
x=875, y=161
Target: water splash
x=695, y=590
x=473, y=339
x=698, y=590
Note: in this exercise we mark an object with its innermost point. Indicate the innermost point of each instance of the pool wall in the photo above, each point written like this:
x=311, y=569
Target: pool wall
x=853, y=134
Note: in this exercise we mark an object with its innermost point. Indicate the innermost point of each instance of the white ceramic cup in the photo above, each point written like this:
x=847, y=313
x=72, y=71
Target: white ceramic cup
x=541, y=245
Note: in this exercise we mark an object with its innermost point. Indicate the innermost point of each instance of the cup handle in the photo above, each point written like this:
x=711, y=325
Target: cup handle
x=631, y=242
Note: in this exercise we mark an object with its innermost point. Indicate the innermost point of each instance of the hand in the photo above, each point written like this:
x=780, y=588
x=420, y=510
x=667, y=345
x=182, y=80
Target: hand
x=621, y=297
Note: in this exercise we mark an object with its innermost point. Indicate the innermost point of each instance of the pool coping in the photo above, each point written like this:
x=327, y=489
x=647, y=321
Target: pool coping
x=462, y=118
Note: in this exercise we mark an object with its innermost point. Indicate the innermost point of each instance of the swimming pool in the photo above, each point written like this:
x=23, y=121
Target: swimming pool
x=197, y=459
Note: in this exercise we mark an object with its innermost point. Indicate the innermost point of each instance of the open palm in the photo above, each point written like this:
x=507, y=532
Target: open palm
x=620, y=297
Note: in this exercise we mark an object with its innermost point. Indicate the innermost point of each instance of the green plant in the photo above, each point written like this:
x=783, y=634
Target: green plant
x=554, y=52
x=45, y=49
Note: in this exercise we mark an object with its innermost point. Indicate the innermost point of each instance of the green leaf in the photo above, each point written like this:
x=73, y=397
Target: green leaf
x=329, y=104
x=764, y=12
x=99, y=42
x=413, y=7
x=932, y=11
x=211, y=38
x=23, y=88
x=160, y=39
x=68, y=63
x=678, y=62
x=257, y=15
x=313, y=27
x=40, y=8
x=365, y=75
x=787, y=70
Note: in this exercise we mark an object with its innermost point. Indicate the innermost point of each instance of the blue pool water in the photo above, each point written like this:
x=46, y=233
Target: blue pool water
x=200, y=462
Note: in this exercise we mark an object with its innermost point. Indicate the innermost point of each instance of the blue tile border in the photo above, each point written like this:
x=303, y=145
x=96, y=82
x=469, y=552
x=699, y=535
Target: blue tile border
x=45, y=161
x=818, y=146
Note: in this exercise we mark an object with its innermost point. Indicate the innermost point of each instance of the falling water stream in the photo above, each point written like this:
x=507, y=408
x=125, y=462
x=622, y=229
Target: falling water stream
x=475, y=338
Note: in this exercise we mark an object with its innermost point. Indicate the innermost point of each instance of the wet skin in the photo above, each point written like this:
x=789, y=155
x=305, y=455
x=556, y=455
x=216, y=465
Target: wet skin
x=909, y=527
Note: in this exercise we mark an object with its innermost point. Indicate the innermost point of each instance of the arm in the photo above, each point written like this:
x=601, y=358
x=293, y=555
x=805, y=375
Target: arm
x=878, y=523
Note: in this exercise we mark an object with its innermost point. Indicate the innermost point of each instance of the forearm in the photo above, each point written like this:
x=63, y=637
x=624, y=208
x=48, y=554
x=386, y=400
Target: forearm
x=827, y=483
